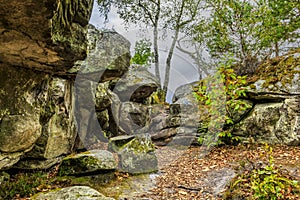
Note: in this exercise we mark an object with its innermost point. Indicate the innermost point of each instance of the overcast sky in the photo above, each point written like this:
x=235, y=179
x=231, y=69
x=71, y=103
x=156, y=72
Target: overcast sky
x=182, y=70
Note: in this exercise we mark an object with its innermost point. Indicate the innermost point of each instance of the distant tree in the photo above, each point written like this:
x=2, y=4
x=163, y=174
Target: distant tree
x=142, y=12
x=250, y=30
x=143, y=54
x=173, y=15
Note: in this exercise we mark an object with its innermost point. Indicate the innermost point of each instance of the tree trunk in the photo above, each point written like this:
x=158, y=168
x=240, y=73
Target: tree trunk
x=168, y=64
x=156, y=54
x=276, y=49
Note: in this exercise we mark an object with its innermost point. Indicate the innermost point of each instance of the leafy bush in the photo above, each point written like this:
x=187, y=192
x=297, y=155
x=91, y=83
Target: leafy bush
x=23, y=185
x=263, y=183
x=143, y=54
x=222, y=94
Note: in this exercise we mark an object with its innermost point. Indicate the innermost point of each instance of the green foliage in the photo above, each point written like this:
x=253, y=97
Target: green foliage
x=264, y=183
x=24, y=185
x=251, y=30
x=143, y=54
x=21, y=185
x=221, y=95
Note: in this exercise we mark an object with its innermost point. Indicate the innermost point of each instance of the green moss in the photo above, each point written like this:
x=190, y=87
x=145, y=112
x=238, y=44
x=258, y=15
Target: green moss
x=278, y=70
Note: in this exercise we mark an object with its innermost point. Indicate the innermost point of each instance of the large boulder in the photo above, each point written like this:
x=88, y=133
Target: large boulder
x=272, y=123
x=136, y=153
x=108, y=56
x=40, y=104
x=277, y=78
x=275, y=89
x=46, y=35
x=88, y=162
x=184, y=90
x=136, y=85
x=37, y=118
x=72, y=193
x=133, y=117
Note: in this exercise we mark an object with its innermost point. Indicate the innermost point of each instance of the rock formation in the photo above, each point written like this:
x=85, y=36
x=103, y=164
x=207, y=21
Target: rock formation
x=48, y=55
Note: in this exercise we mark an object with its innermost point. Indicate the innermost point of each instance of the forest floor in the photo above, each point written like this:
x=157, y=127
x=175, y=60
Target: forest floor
x=192, y=176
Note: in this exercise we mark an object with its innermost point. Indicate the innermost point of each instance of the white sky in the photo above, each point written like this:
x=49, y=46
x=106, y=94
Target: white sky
x=182, y=69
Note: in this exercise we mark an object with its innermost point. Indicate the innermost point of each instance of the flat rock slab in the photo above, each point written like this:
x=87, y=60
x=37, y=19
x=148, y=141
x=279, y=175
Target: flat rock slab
x=88, y=162
x=136, y=154
x=72, y=193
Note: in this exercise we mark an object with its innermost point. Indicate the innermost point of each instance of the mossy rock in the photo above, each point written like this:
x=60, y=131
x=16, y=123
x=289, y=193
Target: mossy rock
x=88, y=162
x=280, y=75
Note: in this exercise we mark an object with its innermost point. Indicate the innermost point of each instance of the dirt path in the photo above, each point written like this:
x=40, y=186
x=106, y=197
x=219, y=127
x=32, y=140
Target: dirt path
x=189, y=177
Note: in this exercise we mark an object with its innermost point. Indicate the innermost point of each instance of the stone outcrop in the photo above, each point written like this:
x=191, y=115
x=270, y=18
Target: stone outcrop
x=45, y=35
x=136, y=153
x=275, y=91
x=36, y=114
x=136, y=85
x=107, y=59
x=88, y=162
x=45, y=47
x=74, y=192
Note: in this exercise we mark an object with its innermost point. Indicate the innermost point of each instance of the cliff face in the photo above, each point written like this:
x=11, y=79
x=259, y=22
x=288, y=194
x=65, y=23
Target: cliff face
x=46, y=35
x=44, y=46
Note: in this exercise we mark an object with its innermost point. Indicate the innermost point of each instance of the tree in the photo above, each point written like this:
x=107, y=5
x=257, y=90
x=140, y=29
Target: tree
x=180, y=14
x=250, y=30
x=173, y=15
x=143, y=54
x=142, y=12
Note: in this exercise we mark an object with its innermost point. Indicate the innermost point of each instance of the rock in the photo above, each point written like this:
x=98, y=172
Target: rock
x=163, y=134
x=277, y=78
x=102, y=97
x=116, y=143
x=277, y=121
x=218, y=181
x=108, y=57
x=37, y=35
x=72, y=193
x=183, y=91
x=133, y=117
x=136, y=154
x=57, y=117
x=7, y=160
x=18, y=132
x=37, y=119
x=88, y=162
x=103, y=119
x=261, y=123
x=136, y=85
x=29, y=164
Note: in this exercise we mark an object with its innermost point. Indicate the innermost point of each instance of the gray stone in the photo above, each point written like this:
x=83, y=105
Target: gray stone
x=108, y=56
x=37, y=119
x=28, y=164
x=218, y=181
x=9, y=159
x=19, y=132
x=260, y=124
x=59, y=130
x=102, y=97
x=136, y=85
x=133, y=117
x=71, y=193
x=183, y=91
x=136, y=154
x=88, y=162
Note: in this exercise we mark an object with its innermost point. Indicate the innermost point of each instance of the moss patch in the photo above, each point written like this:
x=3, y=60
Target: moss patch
x=277, y=70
